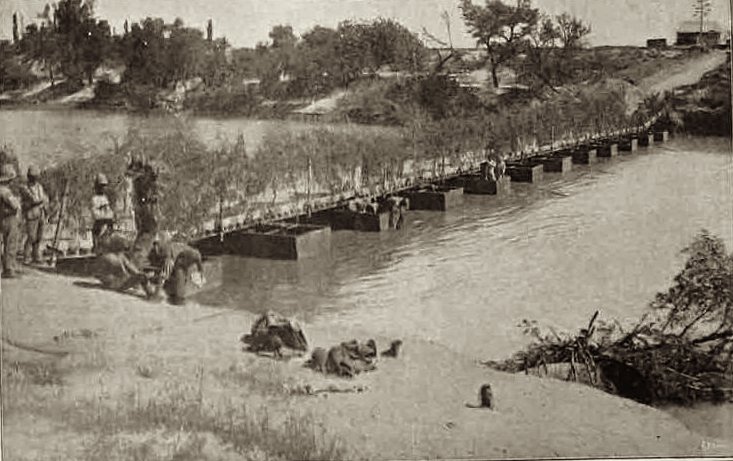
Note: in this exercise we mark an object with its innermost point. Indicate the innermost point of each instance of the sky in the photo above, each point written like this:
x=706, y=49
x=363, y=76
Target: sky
x=246, y=22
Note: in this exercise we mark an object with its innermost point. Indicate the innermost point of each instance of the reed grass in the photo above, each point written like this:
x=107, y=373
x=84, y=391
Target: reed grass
x=200, y=181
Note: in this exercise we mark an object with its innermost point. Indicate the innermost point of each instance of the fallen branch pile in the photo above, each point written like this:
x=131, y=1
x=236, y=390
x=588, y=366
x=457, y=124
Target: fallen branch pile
x=681, y=352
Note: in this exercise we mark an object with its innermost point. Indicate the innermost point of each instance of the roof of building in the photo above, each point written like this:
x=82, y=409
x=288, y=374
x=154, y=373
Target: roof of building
x=694, y=26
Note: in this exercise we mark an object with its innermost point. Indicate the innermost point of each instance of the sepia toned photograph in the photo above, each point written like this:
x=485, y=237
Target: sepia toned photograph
x=274, y=230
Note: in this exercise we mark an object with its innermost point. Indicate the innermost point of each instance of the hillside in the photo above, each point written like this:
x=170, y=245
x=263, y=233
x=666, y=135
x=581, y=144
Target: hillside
x=705, y=105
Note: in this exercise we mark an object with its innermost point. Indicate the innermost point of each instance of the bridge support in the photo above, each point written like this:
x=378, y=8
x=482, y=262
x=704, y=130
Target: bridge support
x=525, y=172
x=661, y=136
x=436, y=198
x=607, y=150
x=630, y=144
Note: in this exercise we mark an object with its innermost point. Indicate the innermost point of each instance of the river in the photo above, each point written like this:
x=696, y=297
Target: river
x=605, y=237
x=48, y=136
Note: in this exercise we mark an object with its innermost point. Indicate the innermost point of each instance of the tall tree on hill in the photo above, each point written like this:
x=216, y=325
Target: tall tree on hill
x=571, y=31
x=186, y=52
x=16, y=36
x=442, y=59
x=41, y=44
x=502, y=29
x=145, y=57
x=210, y=31
x=82, y=40
x=283, y=47
x=542, y=62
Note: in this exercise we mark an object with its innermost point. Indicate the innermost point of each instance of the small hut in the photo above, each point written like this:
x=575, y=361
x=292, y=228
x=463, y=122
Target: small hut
x=689, y=34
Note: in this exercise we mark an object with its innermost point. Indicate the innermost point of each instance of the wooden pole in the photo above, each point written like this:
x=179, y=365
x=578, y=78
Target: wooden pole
x=62, y=207
x=308, y=191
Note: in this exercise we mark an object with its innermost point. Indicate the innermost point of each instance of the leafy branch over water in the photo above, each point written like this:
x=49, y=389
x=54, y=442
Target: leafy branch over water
x=680, y=351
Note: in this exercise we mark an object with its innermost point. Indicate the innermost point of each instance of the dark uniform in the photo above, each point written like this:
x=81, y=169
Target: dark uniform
x=102, y=212
x=35, y=202
x=145, y=195
x=9, y=221
x=175, y=263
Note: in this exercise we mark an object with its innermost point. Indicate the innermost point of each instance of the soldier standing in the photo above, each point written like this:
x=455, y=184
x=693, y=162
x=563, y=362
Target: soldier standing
x=35, y=201
x=9, y=215
x=102, y=212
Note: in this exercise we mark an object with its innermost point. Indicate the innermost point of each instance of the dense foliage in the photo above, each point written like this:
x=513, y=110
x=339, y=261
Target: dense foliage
x=68, y=40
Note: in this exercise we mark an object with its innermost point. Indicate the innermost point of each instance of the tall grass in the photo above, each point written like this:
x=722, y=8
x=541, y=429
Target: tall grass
x=181, y=409
x=200, y=181
x=175, y=422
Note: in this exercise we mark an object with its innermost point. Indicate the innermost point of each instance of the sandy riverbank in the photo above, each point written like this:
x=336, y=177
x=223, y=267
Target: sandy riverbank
x=136, y=352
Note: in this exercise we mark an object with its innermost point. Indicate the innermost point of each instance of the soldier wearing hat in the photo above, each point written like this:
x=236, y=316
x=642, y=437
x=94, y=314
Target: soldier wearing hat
x=9, y=215
x=102, y=212
x=35, y=202
x=144, y=176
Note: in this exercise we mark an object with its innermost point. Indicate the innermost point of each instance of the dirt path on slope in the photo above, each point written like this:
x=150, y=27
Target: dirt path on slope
x=682, y=73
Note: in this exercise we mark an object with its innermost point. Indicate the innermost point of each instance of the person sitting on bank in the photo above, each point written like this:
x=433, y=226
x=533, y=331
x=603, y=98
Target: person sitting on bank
x=35, y=202
x=102, y=212
x=9, y=216
x=500, y=168
x=176, y=265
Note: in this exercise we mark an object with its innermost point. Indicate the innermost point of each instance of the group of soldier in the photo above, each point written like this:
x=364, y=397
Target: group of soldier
x=24, y=211
x=152, y=261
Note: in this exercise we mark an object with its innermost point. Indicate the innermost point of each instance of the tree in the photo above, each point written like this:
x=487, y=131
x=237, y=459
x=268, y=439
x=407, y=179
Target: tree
x=702, y=293
x=283, y=37
x=501, y=28
x=16, y=37
x=316, y=64
x=701, y=8
x=145, y=57
x=209, y=31
x=442, y=60
x=82, y=40
x=571, y=31
x=185, y=52
x=41, y=44
x=94, y=46
x=393, y=44
x=542, y=61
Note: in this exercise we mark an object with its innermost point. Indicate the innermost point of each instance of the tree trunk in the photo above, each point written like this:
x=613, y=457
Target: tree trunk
x=494, y=77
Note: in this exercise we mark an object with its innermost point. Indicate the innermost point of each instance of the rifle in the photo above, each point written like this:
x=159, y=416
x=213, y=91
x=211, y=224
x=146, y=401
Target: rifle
x=62, y=206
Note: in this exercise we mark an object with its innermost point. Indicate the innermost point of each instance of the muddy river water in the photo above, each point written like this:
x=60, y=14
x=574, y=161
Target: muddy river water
x=605, y=237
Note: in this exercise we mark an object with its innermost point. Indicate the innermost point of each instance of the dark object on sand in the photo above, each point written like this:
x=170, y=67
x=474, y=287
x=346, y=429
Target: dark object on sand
x=318, y=360
x=394, y=349
x=486, y=396
x=265, y=343
x=271, y=332
x=351, y=358
x=347, y=359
